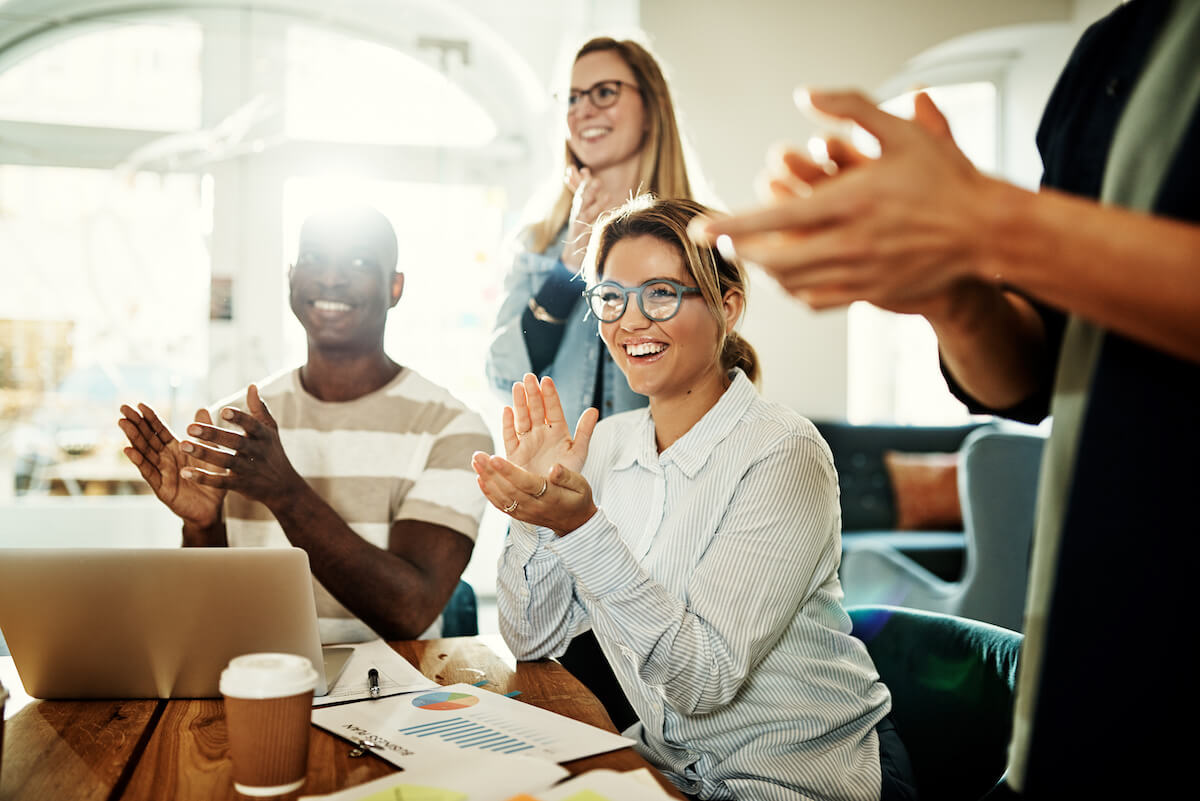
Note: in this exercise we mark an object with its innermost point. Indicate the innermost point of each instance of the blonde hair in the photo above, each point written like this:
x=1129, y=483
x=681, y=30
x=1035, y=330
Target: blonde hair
x=663, y=168
x=667, y=220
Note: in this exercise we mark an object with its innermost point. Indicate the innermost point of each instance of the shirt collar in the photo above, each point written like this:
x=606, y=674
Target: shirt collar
x=691, y=451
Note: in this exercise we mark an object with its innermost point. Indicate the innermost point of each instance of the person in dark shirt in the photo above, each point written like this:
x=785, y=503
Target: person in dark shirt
x=1081, y=301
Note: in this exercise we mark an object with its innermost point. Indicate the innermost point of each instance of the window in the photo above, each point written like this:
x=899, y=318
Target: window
x=117, y=75
x=342, y=89
x=893, y=370
x=153, y=176
x=992, y=85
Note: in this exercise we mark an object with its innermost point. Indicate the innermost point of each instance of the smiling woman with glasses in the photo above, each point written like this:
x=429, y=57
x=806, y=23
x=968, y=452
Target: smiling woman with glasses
x=698, y=539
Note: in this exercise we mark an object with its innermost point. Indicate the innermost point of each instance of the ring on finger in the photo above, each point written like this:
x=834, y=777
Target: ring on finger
x=512, y=507
x=542, y=491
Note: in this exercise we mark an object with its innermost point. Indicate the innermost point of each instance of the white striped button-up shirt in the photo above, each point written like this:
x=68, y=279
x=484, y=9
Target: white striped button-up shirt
x=709, y=576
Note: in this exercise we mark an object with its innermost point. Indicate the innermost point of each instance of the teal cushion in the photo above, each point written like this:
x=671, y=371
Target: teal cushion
x=952, y=683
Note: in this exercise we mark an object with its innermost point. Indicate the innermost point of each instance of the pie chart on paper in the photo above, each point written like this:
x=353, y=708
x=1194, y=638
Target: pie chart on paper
x=442, y=701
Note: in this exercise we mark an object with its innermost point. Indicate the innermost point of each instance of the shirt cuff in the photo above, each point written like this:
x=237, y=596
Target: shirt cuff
x=597, y=557
x=528, y=545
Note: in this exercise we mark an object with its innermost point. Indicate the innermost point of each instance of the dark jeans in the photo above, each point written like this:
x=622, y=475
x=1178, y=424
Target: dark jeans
x=895, y=768
x=587, y=663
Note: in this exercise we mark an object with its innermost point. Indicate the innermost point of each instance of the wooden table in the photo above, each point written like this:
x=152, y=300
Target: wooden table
x=161, y=750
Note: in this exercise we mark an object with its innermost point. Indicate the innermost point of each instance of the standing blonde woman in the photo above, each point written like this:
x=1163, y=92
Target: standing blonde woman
x=622, y=140
x=698, y=538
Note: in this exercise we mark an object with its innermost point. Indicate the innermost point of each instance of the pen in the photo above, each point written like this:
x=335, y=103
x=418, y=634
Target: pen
x=373, y=682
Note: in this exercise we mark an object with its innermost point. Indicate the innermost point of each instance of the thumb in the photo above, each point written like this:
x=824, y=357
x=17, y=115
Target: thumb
x=584, y=429
x=258, y=407
x=567, y=479
x=929, y=116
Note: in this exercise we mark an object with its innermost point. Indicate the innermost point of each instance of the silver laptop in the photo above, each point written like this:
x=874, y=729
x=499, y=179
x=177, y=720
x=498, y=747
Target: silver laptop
x=154, y=622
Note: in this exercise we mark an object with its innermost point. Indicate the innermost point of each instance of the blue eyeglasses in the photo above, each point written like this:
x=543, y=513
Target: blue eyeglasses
x=659, y=299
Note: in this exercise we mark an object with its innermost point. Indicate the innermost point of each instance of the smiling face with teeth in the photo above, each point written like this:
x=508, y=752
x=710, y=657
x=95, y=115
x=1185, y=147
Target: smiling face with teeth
x=676, y=359
x=603, y=138
x=344, y=280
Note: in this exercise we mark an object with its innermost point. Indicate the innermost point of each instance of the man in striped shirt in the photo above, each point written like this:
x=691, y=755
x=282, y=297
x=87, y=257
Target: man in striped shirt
x=358, y=460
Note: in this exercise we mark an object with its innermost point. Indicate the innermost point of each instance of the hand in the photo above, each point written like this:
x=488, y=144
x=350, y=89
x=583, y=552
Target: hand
x=254, y=463
x=541, y=473
x=158, y=456
x=592, y=198
x=900, y=231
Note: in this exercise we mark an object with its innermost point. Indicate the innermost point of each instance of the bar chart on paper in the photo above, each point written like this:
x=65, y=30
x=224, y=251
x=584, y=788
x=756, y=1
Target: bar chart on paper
x=480, y=734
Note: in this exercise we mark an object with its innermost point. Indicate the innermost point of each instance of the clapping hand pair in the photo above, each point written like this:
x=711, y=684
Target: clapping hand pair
x=192, y=476
x=540, y=481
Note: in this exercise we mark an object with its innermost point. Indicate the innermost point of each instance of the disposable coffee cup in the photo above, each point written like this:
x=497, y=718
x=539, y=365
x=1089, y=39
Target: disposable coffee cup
x=268, y=713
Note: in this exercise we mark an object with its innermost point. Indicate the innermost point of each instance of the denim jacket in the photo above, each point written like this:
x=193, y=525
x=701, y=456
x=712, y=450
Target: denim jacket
x=574, y=367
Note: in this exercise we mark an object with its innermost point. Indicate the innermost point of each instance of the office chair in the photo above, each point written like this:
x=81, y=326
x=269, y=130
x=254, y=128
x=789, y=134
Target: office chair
x=997, y=488
x=460, y=618
x=952, y=682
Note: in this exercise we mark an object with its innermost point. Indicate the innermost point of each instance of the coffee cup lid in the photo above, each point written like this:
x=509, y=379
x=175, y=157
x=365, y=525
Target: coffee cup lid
x=267, y=675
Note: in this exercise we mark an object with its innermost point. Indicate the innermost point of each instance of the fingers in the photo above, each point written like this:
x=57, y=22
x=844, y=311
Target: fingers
x=535, y=402
x=799, y=252
x=520, y=409
x=159, y=429
x=843, y=154
x=217, y=458
x=794, y=213
x=219, y=436
x=133, y=433
x=502, y=482
x=149, y=471
x=574, y=177
x=788, y=164
x=508, y=431
x=855, y=106
x=208, y=478
x=552, y=403
x=137, y=424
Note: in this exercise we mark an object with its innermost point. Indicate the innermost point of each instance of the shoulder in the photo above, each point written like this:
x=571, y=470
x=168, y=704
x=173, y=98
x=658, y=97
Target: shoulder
x=431, y=407
x=271, y=389
x=768, y=427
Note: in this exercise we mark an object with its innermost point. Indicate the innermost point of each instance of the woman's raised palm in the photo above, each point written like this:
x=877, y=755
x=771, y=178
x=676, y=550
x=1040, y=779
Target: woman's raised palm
x=535, y=432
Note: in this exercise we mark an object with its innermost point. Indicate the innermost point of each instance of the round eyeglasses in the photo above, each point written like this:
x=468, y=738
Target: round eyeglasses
x=659, y=299
x=602, y=94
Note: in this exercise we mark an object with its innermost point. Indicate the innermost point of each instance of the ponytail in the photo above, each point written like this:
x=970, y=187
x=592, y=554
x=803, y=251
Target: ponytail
x=737, y=352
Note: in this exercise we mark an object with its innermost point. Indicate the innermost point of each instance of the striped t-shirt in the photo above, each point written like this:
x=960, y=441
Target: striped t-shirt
x=709, y=577
x=402, y=452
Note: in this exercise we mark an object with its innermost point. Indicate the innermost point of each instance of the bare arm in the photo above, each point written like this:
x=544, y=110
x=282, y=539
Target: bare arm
x=397, y=591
